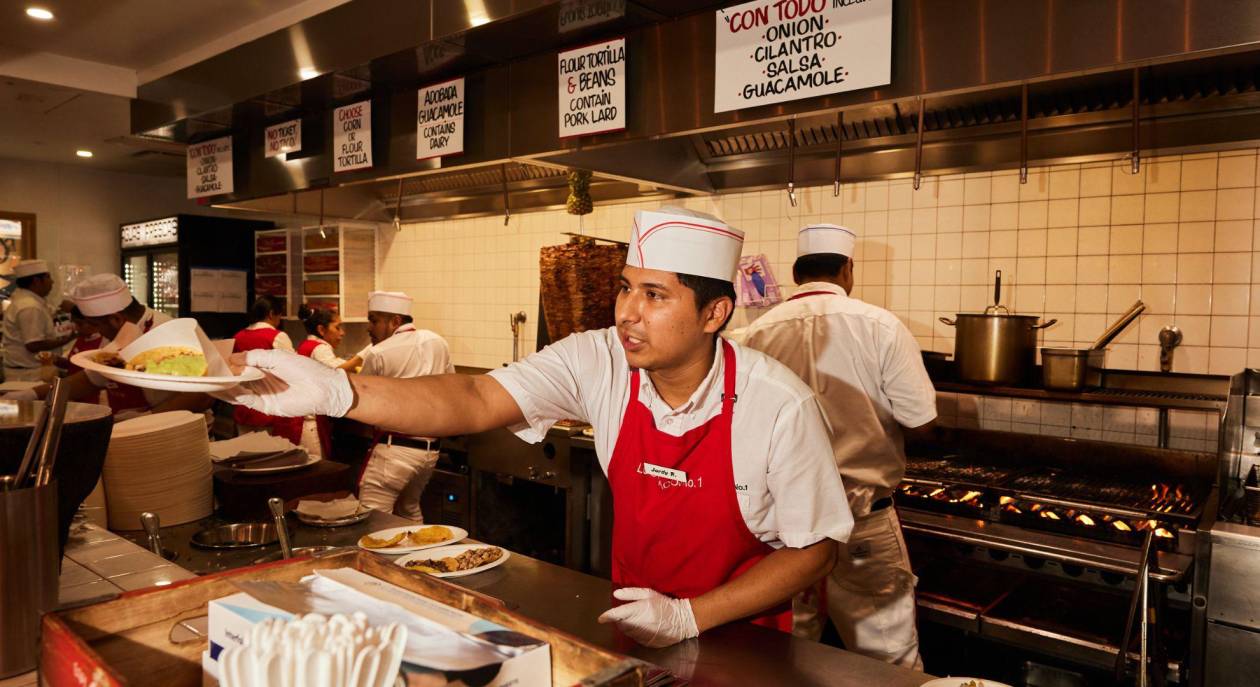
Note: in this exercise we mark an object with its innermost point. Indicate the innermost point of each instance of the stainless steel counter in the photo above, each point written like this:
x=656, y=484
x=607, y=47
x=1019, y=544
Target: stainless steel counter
x=738, y=654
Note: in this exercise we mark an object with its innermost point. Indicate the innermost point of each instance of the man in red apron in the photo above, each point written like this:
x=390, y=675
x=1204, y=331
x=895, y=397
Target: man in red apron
x=726, y=497
x=868, y=373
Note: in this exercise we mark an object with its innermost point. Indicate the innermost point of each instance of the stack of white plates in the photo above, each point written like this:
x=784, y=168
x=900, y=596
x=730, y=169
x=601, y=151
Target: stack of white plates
x=159, y=463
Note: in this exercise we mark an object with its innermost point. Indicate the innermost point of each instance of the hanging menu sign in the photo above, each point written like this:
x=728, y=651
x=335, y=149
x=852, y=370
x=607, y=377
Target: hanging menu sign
x=593, y=89
x=282, y=138
x=771, y=51
x=440, y=119
x=210, y=168
x=352, y=137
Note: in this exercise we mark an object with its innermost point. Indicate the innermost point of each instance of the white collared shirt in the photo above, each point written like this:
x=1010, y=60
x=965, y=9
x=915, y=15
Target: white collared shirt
x=408, y=352
x=282, y=341
x=26, y=320
x=325, y=354
x=868, y=373
x=786, y=482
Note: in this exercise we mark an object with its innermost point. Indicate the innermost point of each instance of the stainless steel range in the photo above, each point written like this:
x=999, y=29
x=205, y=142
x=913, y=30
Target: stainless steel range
x=1036, y=543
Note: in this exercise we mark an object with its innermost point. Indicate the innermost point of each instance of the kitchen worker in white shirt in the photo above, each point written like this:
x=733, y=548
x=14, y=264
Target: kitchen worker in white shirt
x=28, y=323
x=399, y=466
x=727, y=501
x=868, y=373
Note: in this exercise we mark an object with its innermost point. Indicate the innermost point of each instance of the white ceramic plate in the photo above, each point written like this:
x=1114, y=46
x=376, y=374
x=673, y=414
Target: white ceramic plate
x=339, y=522
x=457, y=534
x=963, y=682
x=455, y=550
x=146, y=380
x=310, y=460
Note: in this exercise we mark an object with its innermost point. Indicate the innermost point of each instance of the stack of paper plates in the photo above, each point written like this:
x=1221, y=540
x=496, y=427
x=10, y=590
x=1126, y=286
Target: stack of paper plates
x=159, y=463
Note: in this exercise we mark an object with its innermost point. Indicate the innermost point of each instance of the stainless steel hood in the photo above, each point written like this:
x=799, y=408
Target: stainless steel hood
x=967, y=60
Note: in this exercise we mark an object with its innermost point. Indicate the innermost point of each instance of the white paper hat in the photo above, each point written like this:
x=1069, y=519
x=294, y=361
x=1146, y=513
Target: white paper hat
x=101, y=294
x=30, y=268
x=395, y=302
x=825, y=238
x=676, y=240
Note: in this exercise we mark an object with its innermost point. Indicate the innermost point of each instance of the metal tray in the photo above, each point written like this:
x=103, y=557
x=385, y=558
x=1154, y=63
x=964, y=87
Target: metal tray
x=237, y=535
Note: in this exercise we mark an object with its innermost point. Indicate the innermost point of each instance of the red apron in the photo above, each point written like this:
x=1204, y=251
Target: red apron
x=124, y=396
x=681, y=538
x=322, y=426
x=264, y=339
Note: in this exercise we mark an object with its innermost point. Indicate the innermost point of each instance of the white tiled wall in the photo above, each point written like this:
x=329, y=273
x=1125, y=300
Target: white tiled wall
x=1077, y=243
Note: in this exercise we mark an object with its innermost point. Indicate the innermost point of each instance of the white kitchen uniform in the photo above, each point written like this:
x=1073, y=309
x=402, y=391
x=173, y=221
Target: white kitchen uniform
x=788, y=488
x=869, y=376
x=27, y=319
x=396, y=475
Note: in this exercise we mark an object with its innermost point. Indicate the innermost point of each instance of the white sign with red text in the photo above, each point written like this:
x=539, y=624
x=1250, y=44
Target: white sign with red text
x=593, y=89
x=352, y=137
x=771, y=51
x=440, y=119
x=210, y=168
x=285, y=137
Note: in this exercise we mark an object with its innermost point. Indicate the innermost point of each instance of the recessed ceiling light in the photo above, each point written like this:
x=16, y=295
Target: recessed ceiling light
x=39, y=13
x=307, y=73
x=83, y=153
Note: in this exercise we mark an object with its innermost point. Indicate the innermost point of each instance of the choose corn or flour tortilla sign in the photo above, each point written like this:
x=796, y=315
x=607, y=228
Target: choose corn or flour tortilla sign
x=210, y=168
x=352, y=137
x=440, y=119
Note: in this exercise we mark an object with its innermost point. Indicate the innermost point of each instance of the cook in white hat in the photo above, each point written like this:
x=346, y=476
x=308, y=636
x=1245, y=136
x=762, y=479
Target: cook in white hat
x=874, y=388
x=400, y=464
x=28, y=323
x=106, y=302
x=727, y=498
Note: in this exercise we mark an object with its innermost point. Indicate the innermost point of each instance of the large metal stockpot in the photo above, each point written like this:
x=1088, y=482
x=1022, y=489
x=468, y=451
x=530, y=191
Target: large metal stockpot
x=995, y=347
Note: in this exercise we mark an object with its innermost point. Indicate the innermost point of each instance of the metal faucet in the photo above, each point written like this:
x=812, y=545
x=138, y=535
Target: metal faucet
x=515, y=320
x=1169, y=338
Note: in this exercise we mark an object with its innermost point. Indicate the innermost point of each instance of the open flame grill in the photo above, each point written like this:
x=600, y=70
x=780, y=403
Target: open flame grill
x=1112, y=509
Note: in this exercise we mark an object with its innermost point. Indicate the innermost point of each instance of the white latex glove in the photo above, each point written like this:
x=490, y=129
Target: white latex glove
x=21, y=395
x=652, y=619
x=293, y=386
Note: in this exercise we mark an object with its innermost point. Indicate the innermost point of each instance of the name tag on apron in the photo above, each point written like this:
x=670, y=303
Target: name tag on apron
x=666, y=473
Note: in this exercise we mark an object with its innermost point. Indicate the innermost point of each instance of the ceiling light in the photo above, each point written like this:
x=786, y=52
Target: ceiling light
x=83, y=153
x=39, y=13
x=307, y=73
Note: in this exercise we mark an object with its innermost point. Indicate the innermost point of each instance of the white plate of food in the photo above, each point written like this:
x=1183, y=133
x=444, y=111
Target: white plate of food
x=397, y=540
x=455, y=561
x=963, y=682
x=175, y=356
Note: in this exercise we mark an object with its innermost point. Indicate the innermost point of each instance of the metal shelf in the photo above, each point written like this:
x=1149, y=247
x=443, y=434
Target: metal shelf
x=1170, y=391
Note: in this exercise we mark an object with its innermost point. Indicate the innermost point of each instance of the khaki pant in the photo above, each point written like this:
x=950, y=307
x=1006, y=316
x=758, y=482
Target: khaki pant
x=23, y=374
x=395, y=478
x=870, y=595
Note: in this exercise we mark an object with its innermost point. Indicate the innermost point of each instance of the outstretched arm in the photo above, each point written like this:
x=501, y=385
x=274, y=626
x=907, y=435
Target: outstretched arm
x=437, y=405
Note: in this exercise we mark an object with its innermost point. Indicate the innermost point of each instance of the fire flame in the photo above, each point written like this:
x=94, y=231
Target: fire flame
x=1120, y=525
x=1085, y=520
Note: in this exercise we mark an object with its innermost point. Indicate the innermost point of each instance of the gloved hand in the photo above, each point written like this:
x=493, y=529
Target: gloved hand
x=293, y=386
x=652, y=619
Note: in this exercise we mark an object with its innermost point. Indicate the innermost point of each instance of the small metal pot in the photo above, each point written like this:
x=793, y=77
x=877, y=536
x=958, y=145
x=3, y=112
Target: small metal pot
x=995, y=347
x=1072, y=369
